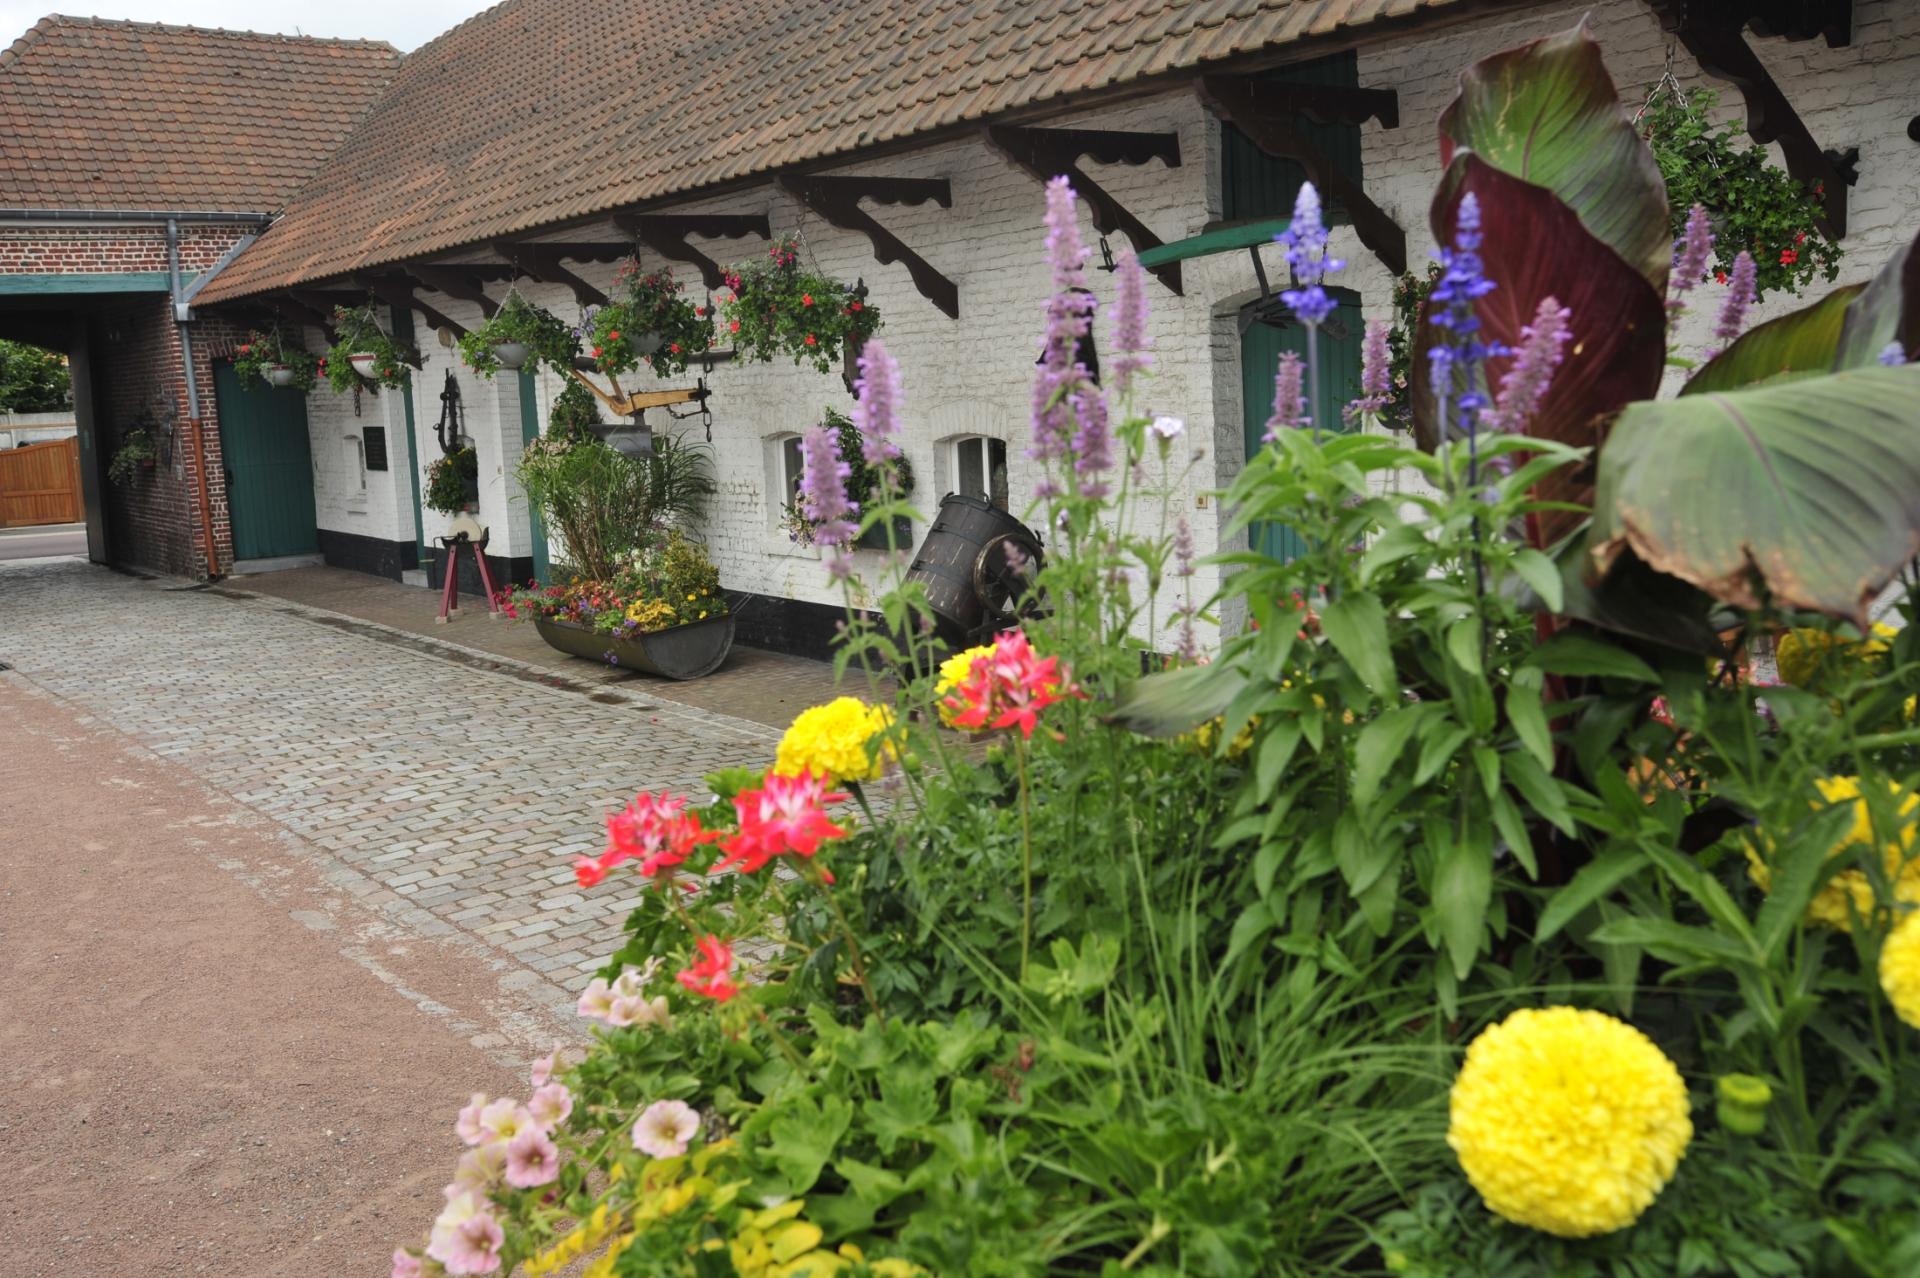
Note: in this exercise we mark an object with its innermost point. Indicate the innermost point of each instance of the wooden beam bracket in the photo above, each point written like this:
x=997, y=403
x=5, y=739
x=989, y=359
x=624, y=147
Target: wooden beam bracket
x=397, y=291
x=666, y=234
x=1273, y=130
x=542, y=262
x=458, y=280
x=1333, y=104
x=1045, y=154
x=837, y=199
x=1713, y=35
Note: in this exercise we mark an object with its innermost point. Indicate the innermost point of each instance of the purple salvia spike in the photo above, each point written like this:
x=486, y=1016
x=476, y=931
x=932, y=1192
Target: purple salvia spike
x=1129, y=319
x=1093, y=442
x=1289, y=408
x=823, y=487
x=1892, y=355
x=1183, y=548
x=1733, y=311
x=1690, y=254
x=1376, y=373
x=876, y=405
x=1524, y=388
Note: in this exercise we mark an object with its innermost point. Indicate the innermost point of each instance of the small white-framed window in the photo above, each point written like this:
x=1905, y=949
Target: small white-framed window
x=791, y=466
x=980, y=468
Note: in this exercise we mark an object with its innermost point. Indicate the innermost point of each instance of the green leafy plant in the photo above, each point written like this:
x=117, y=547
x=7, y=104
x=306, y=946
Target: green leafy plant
x=574, y=413
x=1755, y=204
x=651, y=321
x=775, y=308
x=864, y=486
x=358, y=333
x=256, y=359
x=548, y=339
x=33, y=380
x=137, y=452
x=606, y=504
x=1409, y=301
x=453, y=482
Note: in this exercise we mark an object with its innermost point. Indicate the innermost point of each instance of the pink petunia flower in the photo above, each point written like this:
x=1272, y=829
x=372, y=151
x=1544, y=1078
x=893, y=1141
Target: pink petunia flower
x=480, y=1169
x=544, y=1067
x=504, y=1119
x=405, y=1264
x=532, y=1159
x=664, y=1128
x=468, y=1127
x=466, y=1238
x=550, y=1106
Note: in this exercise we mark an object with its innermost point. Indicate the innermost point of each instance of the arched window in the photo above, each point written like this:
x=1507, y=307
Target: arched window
x=980, y=468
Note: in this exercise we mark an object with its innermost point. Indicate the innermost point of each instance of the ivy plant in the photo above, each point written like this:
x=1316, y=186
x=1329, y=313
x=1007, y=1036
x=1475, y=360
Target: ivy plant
x=359, y=333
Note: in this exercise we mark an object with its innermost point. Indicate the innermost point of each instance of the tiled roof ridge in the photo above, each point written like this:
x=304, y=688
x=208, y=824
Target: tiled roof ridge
x=55, y=21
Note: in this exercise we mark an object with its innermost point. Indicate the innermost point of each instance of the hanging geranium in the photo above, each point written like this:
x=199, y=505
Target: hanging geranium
x=519, y=331
x=774, y=307
x=364, y=356
x=650, y=321
x=265, y=359
x=1755, y=205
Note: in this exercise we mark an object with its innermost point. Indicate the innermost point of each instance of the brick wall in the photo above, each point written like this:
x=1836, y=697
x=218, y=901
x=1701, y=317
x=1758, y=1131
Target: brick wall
x=69, y=250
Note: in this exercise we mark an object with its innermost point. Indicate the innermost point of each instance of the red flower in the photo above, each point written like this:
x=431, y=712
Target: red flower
x=674, y=347
x=811, y=341
x=786, y=814
x=614, y=336
x=1789, y=256
x=1719, y=277
x=655, y=830
x=1800, y=237
x=711, y=976
x=806, y=299
x=245, y=348
x=856, y=307
x=733, y=326
x=1009, y=687
x=596, y=352
x=700, y=311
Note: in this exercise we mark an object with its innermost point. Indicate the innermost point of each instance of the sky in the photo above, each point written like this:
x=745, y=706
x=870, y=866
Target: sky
x=406, y=24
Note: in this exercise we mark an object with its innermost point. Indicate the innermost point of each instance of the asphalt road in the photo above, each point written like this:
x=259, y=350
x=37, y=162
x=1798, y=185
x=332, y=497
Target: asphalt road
x=38, y=543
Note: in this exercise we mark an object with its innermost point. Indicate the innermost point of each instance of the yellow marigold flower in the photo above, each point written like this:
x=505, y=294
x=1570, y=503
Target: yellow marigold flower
x=1850, y=892
x=834, y=739
x=1568, y=1121
x=1801, y=654
x=1203, y=736
x=1900, y=968
x=953, y=672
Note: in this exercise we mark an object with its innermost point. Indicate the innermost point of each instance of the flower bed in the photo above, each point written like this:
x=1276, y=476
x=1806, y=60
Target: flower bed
x=1473, y=912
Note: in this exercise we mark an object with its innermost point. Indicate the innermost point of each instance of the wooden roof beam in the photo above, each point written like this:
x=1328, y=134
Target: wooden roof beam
x=305, y=311
x=397, y=291
x=458, y=279
x=1045, y=154
x=837, y=199
x=1273, y=131
x=542, y=262
x=666, y=234
x=1329, y=103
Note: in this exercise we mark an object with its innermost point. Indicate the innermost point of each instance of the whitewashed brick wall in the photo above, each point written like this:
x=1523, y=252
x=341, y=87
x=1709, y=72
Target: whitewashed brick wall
x=974, y=375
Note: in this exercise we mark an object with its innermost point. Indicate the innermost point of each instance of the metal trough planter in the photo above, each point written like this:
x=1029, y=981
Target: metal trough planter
x=679, y=652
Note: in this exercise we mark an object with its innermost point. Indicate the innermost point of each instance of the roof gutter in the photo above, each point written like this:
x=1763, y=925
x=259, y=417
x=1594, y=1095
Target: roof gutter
x=155, y=216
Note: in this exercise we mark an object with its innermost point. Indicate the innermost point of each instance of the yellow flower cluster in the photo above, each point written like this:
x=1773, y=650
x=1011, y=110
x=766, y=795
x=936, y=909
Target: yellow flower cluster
x=953, y=672
x=1203, y=736
x=1900, y=968
x=1568, y=1121
x=836, y=739
x=1850, y=892
x=652, y=614
x=1802, y=654
x=775, y=1243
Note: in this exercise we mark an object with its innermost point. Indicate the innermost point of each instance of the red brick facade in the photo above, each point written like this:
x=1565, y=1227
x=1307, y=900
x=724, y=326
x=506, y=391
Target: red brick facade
x=76, y=250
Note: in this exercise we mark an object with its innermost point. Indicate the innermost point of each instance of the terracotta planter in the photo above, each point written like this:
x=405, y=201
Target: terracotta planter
x=679, y=652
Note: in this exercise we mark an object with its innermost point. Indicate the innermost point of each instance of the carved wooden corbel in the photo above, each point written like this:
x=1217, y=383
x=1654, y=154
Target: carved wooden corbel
x=666, y=234
x=1045, y=154
x=837, y=199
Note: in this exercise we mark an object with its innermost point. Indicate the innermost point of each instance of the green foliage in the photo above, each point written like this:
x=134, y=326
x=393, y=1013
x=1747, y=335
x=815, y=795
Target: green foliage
x=1409, y=302
x=453, y=481
x=137, y=451
x=261, y=354
x=864, y=482
x=547, y=338
x=605, y=504
x=776, y=308
x=574, y=413
x=33, y=380
x=651, y=322
x=359, y=333
x=1755, y=205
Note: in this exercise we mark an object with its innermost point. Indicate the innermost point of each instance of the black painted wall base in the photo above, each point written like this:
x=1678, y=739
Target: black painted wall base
x=792, y=626
x=368, y=554
x=506, y=572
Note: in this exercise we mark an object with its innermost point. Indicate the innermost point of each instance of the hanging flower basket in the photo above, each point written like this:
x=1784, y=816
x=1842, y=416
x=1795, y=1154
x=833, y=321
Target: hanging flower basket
x=775, y=308
x=365, y=357
x=453, y=482
x=863, y=490
x=517, y=332
x=651, y=322
x=266, y=359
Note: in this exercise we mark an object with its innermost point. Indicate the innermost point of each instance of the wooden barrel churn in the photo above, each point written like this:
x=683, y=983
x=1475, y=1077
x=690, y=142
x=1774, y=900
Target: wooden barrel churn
x=969, y=574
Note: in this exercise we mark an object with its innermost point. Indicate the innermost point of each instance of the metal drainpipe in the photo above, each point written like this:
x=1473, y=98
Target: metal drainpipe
x=193, y=394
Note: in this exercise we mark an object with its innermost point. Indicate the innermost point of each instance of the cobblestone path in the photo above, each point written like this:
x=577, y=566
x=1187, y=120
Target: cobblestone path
x=460, y=782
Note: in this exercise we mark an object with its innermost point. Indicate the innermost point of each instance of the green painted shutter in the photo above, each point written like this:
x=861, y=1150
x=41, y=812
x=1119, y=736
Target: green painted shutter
x=269, y=464
x=402, y=321
x=1339, y=385
x=530, y=431
x=1254, y=184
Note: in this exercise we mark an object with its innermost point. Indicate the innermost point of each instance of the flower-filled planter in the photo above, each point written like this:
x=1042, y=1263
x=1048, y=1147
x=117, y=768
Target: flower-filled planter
x=650, y=321
x=364, y=355
x=863, y=490
x=777, y=308
x=517, y=332
x=265, y=359
x=137, y=452
x=660, y=612
x=453, y=482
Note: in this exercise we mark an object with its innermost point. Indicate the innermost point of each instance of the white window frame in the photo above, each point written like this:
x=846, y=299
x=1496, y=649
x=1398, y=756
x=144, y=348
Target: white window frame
x=987, y=445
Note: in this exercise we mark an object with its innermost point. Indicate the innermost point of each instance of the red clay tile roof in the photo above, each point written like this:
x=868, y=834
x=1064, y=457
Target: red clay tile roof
x=97, y=114
x=540, y=111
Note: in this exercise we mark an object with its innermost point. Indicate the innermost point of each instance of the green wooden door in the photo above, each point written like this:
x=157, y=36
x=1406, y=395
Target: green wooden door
x=269, y=464
x=1260, y=349
x=530, y=431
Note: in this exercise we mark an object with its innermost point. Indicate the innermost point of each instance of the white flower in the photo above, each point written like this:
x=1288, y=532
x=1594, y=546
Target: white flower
x=596, y=1000
x=664, y=1128
x=1167, y=428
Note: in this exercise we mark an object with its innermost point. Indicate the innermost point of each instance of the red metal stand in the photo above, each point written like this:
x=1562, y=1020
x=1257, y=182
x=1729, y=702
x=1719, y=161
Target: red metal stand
x=450, y=569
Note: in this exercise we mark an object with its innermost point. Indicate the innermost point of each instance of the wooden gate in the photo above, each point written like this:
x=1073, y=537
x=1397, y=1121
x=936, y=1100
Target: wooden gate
x=40, y=484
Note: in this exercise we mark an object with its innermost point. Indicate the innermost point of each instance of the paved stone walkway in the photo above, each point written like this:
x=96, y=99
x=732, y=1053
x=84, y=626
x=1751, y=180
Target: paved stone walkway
x=462, y=782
